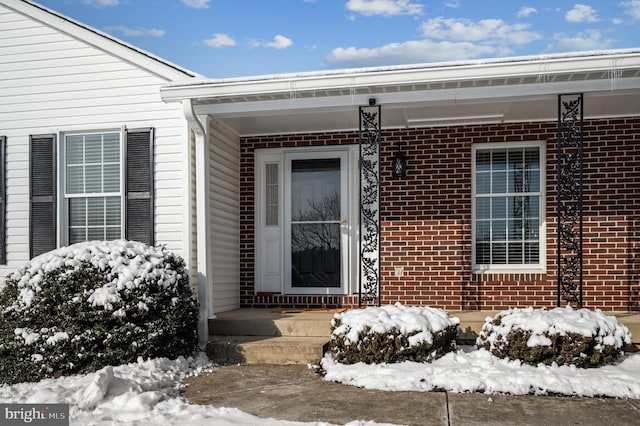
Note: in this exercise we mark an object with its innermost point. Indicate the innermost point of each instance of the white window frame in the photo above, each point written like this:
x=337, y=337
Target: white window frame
x=541, y=266
x=63, y=200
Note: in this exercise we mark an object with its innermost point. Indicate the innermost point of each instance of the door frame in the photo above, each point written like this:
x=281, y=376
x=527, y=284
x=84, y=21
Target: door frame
x=272, y=269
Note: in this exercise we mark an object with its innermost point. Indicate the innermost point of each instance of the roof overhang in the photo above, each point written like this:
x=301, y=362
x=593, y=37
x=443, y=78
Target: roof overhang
x=489, y=91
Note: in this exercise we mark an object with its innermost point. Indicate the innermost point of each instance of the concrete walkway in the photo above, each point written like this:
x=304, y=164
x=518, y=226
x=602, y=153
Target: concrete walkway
x=297, y=393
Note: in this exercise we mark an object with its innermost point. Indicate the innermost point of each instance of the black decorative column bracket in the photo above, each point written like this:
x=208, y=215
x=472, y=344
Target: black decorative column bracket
x=369, y=265
x=569, y=198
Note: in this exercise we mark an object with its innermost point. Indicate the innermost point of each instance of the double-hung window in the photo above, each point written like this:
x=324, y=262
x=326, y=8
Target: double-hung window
x=508, y=207
x=105, y=191
x=92, y=189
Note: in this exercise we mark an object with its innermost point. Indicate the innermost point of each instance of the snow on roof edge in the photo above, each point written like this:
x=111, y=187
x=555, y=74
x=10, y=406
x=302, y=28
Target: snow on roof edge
x=405, y=67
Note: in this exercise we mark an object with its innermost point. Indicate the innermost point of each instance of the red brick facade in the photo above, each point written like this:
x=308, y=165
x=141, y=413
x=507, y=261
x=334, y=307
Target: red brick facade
x=426, y=219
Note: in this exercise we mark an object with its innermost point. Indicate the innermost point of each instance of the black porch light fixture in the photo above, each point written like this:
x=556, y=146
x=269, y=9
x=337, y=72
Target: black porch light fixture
x=399, y=164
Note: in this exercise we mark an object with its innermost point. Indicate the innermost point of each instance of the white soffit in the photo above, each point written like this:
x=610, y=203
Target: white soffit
x=496, y=91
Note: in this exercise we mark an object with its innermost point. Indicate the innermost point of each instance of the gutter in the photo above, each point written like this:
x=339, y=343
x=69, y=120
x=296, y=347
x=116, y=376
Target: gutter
x=507, y=68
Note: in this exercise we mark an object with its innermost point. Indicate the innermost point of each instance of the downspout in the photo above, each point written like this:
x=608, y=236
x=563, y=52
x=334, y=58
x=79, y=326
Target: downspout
x=202, y=221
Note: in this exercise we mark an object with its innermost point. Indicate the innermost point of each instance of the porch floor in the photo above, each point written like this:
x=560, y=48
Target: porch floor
x=290, y=336
x=265, y=320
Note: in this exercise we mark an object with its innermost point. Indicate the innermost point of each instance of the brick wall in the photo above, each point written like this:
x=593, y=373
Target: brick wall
x=426, y=219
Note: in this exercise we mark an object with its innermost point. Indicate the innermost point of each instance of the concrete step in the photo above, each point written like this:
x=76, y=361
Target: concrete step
x=265, y=336
x=266, y=350
x=632, y=322
x=470, y=325
x=264, y=322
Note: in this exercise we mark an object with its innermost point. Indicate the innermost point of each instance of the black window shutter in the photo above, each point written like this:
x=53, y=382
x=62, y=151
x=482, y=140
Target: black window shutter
x=139, y=196
x=3, y=203
x=42, y=194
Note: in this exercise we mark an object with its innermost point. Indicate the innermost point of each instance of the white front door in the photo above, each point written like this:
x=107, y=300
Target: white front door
x=316, y=225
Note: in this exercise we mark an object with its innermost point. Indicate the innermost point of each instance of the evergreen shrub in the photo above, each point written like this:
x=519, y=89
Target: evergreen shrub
x=561, y=336
x=391, y=334
x=80, y=308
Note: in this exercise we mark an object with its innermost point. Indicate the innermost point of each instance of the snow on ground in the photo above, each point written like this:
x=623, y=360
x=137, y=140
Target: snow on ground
x=143, y=393
x=147, y=392
x=479, y=371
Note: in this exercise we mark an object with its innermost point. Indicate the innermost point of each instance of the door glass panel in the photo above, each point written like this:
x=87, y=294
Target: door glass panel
x=315, y=222
x=271, y=194
x=315, y=255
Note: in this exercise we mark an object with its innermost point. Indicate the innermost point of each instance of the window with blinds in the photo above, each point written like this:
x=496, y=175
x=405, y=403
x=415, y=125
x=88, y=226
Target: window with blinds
x=92, y=186
x=508, y=204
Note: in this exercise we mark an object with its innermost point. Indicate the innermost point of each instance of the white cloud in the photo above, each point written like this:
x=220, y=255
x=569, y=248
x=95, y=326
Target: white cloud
x=617, y=21
x=384, y=7
x=279, y=42
x=219, y=40
x=196, y=4
x=581, y=13
x=136, y=32
x=632, y=8
x=453, y=5
x=101, y=3
x=410, y=52
x=487, y=30
x=446, y=39
x=526, y=11
x=154, y=32
x=588, y=40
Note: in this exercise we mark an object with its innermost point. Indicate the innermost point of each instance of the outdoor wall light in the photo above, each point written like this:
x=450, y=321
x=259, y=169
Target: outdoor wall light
x=399, y=164
x=372, y=101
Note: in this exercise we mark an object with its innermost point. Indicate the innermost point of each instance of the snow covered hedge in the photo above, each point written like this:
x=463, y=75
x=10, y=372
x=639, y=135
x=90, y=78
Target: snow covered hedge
x=89, y=305
x=392, y=333
x=563, y=336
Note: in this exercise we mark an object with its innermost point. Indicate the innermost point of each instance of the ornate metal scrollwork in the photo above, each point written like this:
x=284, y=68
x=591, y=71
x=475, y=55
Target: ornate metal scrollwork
x=369, y=265
x=569, y=198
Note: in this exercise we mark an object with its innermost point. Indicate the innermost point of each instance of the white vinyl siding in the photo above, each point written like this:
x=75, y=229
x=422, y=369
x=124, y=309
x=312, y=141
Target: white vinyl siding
x=508, y=207
x=224, y=187
x=53, y=82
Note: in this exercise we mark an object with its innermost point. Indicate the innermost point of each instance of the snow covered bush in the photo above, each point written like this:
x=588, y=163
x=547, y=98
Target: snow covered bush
x=89, y=305
x=392, y=333
x=563, y=336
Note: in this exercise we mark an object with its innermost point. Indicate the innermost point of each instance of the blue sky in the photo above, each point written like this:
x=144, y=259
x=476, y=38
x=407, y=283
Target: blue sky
x=235, y=38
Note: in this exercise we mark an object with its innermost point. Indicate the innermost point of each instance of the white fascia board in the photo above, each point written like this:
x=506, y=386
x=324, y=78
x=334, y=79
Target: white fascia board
x=394, y=77
x=127, y=52
x=405, y=99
